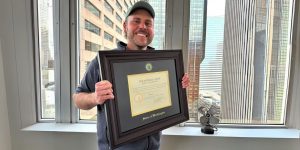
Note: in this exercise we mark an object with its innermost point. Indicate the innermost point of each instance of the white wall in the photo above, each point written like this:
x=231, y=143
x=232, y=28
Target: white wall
x=5, y=143
x=17, y=54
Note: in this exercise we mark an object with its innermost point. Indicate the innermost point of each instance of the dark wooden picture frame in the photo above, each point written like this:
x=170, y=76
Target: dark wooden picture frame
x=116, y=66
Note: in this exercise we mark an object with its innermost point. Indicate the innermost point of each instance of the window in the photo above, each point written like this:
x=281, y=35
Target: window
x=242, y=73
x=91, y=27
x=108, y=7
x=90, y=46
x=108, y=22
x=159, y=24
x=119, y=5
x=46, y=60
x=108, y=36
x=118, y=17
x=119, y=30
x=125, y=3
x=89, y=6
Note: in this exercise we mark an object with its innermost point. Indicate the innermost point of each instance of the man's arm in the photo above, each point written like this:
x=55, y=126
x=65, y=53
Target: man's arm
x=86, y=101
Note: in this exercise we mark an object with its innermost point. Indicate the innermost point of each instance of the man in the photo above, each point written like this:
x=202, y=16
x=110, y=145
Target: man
x=91, y=92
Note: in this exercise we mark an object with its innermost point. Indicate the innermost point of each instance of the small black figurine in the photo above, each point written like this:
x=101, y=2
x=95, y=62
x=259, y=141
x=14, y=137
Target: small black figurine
x=208, y=119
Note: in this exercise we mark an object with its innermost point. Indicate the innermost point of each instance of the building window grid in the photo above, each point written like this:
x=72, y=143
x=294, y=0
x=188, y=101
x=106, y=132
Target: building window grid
x=108, y=22
x=119, y=30
x=125, y=3
x=108, y=37
x=118, y=17
x=92, y=28
x=93, y=9
x=90, y=46
x=108, y=7
x=119, y=5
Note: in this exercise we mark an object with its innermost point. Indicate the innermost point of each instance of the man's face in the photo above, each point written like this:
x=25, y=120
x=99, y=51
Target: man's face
x=139, y=29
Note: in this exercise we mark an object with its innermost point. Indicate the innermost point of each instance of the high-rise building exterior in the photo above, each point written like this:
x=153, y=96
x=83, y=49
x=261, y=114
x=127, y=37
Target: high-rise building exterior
x=279, y=59
x=254, y=66
x=101, y=27
x=244, y=70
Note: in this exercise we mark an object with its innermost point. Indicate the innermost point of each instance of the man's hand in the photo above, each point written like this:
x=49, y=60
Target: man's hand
x=103, y=92
x=185, y=81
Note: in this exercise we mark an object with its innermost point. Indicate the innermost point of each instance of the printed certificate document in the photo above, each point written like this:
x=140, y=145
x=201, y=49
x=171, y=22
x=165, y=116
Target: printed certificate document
x=149, y=92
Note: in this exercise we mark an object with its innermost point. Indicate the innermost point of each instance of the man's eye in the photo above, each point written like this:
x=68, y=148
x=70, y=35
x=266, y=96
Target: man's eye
x=149, y=24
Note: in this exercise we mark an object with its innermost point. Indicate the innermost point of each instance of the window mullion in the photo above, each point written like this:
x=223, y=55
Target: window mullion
x=169, y=18
x=56, y=58
x=293, y=103
x=62, y=53
x=74, y=41
x=37, y=62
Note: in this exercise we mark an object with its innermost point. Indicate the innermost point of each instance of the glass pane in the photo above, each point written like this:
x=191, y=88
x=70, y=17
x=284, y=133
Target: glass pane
x=246, y=65
x=195, y=54
x=159, y=7
x=109, y=26
x=47, y=61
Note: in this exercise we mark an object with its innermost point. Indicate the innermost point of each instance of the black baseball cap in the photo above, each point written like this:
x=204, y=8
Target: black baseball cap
x=141, y=5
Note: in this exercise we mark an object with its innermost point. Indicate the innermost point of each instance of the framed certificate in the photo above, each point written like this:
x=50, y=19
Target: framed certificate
x=148, y=93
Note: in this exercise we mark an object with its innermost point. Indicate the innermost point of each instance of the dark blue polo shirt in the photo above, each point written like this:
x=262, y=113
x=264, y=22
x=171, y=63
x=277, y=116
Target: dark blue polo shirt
x=87, y=84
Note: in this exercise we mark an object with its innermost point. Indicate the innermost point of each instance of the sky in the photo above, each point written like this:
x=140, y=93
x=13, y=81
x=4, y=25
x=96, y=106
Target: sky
x=215, y=7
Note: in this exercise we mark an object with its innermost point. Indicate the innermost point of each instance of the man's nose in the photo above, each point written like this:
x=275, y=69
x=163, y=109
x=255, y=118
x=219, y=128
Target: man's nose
x=142, y=25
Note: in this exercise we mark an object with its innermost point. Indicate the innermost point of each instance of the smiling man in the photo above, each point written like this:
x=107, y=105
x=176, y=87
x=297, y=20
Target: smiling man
x=139, y=26
x=139, y=30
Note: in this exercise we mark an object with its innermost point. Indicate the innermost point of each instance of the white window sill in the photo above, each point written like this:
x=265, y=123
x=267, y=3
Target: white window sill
x=236, y=132
x=177, y=131
x=62, y=127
